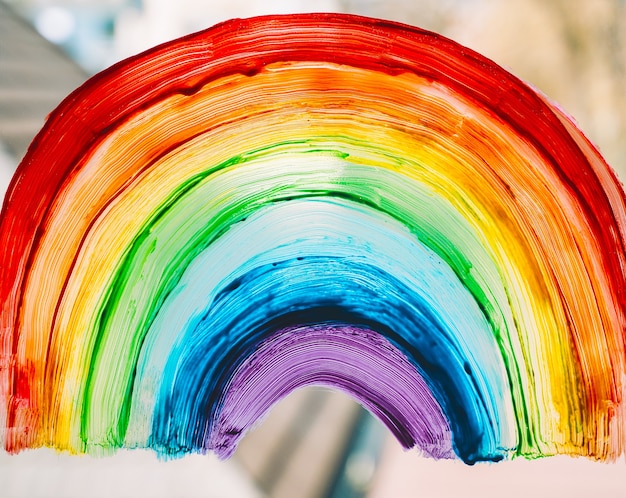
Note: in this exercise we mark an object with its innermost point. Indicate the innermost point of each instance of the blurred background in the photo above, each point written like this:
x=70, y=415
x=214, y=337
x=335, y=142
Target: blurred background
x=316, y=442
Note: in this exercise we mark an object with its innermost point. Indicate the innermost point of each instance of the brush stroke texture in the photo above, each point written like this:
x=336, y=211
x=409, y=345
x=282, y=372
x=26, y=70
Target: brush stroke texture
x=291, y=182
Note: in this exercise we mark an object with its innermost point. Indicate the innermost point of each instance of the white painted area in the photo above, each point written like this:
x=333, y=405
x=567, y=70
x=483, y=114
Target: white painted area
x=404, y=474
x=137, y=473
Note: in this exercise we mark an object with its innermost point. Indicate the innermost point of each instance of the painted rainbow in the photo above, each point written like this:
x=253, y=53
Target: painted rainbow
x=313, y=199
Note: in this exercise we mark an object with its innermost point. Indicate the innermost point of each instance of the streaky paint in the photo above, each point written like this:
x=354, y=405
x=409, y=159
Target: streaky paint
x=291, y=182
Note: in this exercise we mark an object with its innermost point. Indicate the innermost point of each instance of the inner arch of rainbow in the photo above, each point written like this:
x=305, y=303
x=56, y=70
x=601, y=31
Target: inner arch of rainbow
x=313, y=199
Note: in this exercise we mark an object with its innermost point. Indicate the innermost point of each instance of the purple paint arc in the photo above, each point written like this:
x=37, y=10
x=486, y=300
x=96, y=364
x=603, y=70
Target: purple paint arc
x=357, y=361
